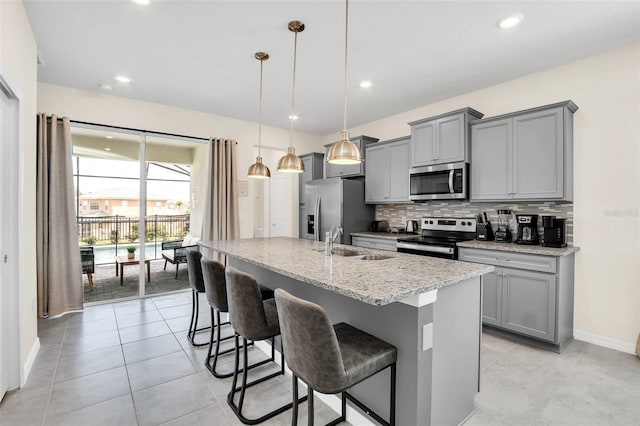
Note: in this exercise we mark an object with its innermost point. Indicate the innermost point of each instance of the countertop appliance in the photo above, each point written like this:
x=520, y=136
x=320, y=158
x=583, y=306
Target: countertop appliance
x=439, y=182
x=439, y=237
x=412, y=227
x=527, y=229
x=484, y=232
x=336, y=202
x=554, y=232
x=379, y=226
x=503, y=233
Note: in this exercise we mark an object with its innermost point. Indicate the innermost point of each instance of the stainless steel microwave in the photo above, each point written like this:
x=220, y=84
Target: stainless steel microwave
x=439, y=182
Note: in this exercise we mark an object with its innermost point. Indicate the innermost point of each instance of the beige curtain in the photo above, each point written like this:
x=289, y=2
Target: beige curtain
x=57, y=252
x=221, y=220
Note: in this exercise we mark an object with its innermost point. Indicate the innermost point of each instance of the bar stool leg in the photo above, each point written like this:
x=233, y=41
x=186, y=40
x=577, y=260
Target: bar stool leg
x=216, y=339
x=193, y=325
x=294, y=412
x=392, y=409
x=311, y=415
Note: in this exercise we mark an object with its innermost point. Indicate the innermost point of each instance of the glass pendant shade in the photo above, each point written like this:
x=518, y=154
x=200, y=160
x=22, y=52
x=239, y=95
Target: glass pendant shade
x=258, y=170
x=291, y=163
x=344, y=152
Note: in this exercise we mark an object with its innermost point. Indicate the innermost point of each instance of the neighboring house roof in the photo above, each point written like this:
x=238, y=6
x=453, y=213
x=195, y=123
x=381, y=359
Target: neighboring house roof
x=98, y=213
x=119, y=194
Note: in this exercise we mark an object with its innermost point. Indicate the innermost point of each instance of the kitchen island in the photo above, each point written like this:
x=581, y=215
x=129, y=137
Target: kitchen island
x=429, y=308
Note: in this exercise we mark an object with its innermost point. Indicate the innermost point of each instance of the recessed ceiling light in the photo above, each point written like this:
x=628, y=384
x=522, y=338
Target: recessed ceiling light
x=510, y=21
x=107, y=149
x=365, y=84
x=142, y=2
x=109, y=137
x=123, y=79
x=293, y=117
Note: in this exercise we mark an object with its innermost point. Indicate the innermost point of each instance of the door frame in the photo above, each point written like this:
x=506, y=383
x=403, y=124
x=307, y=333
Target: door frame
x=12, y=308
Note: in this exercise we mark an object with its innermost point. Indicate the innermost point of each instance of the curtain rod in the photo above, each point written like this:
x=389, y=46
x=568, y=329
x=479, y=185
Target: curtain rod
x=140, y=130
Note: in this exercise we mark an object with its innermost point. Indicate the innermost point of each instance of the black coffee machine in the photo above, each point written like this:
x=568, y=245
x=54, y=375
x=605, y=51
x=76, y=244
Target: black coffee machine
x=527, y=229
x=554, y=232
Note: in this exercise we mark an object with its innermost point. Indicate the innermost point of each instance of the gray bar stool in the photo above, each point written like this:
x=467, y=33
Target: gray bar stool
x=252, y=319
x=216, y=292
x=331, y=358
x=197, y=286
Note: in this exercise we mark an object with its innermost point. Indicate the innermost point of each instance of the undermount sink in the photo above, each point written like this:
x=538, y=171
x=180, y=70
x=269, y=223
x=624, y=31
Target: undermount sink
x=373, y=257
x=346, y=252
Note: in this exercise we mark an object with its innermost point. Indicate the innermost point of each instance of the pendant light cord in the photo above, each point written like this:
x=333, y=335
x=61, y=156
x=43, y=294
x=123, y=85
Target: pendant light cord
x=260, y=113
x=346, y=36
x=293, y=87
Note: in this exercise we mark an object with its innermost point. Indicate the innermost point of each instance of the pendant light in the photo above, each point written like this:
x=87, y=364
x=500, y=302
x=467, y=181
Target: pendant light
x=258, y=170
x=291, y=163
x=345, y=151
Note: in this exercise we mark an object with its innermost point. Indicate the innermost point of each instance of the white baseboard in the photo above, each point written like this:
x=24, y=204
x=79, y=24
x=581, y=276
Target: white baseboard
x=334, y=402
x=31, y=358
x=607, y=342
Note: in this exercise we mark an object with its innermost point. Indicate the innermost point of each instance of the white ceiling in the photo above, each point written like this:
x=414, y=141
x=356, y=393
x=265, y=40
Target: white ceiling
x=199, y=54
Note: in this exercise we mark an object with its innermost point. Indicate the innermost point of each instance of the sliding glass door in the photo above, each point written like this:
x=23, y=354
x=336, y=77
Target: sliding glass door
x=135, y=202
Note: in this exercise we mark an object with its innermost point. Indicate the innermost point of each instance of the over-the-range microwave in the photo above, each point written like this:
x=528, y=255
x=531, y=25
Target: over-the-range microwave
x=439, y=182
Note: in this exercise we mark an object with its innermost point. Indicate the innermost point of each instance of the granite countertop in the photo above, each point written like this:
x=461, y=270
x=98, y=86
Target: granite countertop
x=384, y=235
x=377, y=282
x=519, y=248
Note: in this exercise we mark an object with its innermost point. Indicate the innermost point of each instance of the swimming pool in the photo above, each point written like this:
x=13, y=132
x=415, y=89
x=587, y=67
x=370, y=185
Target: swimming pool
x=106, y=254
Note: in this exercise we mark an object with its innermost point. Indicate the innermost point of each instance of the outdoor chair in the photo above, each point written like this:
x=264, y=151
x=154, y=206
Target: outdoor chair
x=87, y=259
x=175, y=252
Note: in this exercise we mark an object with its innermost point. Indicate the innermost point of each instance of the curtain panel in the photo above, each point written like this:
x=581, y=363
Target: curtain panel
x=59, y=273
x=221, y=218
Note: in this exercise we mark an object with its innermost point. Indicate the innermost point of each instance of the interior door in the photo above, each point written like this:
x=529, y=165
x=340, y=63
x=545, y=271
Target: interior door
x=281, y=201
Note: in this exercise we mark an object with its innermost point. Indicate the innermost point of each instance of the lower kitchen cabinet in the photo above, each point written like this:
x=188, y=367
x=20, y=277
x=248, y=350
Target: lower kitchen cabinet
x=374, y=243
x=532, y=300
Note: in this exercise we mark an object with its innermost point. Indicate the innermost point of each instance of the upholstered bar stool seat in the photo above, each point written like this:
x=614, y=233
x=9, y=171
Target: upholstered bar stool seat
x=197, y=286
x=331, y=358
x=252, y=318
x=216, y=292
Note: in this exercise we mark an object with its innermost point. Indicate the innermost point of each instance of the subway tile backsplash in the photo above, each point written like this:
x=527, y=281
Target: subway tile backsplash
x=398, y=214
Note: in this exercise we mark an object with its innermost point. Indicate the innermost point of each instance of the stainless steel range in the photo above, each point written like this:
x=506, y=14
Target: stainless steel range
x=439, y=237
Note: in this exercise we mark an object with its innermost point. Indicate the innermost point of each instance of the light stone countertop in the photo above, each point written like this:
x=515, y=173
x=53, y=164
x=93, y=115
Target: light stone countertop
x=384, y=235
x=519, y=248
x=377, y=282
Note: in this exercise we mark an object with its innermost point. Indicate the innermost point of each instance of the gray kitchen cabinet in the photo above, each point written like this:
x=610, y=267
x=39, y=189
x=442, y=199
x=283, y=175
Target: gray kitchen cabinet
x=387, y=172
x=352, y=170
x=526, y=155
x=442, y=139
x=312, y=170
x=528, y=297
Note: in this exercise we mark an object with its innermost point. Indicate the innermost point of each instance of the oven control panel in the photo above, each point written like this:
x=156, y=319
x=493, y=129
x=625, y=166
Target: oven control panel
x=449, y=224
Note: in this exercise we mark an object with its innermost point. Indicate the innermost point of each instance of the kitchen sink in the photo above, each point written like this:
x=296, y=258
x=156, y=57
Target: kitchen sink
x=346, y=252
x=373, y=257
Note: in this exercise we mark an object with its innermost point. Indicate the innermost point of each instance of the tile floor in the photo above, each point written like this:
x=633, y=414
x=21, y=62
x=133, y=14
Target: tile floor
x=129, y=363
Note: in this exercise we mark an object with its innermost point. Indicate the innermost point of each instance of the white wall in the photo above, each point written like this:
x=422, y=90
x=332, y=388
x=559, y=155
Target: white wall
x=606, y=88
x=18, y=54
x=105, y=109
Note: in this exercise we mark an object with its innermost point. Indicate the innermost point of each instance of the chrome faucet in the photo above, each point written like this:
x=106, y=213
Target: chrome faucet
x=332, y=237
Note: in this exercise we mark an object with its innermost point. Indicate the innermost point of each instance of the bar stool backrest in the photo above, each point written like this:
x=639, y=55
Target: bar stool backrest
x=195, y=270
x=310, y=343
x=246, y=312
x=215, y=284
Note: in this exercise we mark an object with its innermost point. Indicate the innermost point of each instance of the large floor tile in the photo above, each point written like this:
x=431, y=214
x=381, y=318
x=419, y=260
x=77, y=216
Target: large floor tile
x=74, y=344
x=24, y=407
x=88, y=390
x=150, y=348
x=96, y=314
x=82, y=364
x=202, y=417
x=133, y=307
x=176, y=299
x=92, y=327
x=139, y=318
x=159, y=370
x=171, y=400
x=144, y=331
x=44, y=368
x=176, y=311
x=118, y=411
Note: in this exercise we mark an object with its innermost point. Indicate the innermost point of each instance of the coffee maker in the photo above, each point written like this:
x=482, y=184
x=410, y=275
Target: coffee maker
x=554, y=232
x=527, y=229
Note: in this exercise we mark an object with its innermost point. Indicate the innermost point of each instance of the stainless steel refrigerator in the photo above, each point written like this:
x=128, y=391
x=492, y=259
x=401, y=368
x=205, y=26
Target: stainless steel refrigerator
x=335, y=202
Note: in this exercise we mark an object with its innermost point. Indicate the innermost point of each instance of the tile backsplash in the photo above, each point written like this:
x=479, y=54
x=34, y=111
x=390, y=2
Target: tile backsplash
x=398, y=214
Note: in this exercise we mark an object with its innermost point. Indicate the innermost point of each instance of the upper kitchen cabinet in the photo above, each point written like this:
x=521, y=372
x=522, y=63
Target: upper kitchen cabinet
x=352, y=170
x=312, y=170
x=526, y=155
x=387, y=171
x=442, y=139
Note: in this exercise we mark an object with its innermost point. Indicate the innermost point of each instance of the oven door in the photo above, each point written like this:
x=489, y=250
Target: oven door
x=444, y=181
x=427, y=250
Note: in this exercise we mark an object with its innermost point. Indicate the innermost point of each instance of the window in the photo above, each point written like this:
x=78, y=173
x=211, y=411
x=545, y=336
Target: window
x=95, y=205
